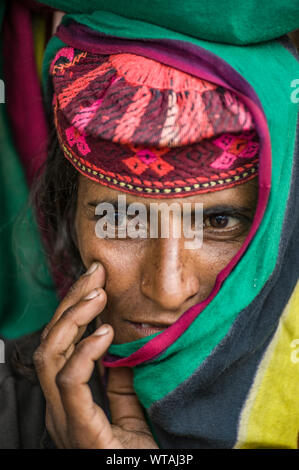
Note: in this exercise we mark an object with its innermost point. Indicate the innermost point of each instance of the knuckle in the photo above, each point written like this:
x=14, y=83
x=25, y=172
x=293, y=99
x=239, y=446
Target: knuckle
x=103, y=295
x=69, y=312
x=72, y=290
x=39, y=358
x=76, y=288
x=64, y=380
x=86, y=345
x=45, y=332
x=82, y=347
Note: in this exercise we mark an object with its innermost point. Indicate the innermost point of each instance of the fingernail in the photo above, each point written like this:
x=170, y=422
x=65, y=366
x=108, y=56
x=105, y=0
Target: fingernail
x=92, y=295
x=91, y=268
x=103, y=330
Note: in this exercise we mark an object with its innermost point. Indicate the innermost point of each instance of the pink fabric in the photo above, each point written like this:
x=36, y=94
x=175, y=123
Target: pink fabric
x=23, y=92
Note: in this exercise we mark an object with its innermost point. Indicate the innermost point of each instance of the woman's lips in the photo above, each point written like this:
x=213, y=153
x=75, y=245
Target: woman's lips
x=146, y=329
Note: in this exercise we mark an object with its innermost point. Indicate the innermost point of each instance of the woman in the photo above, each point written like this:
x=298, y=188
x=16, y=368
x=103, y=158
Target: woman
x=129, y=123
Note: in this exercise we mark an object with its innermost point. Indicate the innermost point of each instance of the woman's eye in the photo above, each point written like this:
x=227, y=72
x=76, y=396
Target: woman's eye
x=122, y=226
x=117, y=219
x=223, y=226
x=221, y=221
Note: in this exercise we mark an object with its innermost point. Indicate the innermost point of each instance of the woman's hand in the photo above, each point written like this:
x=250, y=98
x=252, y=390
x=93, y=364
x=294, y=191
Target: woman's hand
x=64, y=365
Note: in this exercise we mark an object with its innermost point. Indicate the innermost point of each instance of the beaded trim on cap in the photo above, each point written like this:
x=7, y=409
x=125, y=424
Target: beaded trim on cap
x=142, y=127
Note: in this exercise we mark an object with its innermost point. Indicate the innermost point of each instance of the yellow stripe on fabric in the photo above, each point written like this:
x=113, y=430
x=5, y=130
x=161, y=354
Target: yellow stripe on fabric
x=39, y=25
x=270, y=416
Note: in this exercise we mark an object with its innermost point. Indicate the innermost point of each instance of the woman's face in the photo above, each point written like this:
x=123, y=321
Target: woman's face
x=151, y=282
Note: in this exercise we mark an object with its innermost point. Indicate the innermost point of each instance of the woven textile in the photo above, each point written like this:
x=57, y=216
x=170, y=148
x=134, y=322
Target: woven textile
x=142, y=127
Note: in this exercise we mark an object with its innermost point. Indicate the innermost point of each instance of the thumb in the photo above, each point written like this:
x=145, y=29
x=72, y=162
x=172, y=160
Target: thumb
x=126, y=411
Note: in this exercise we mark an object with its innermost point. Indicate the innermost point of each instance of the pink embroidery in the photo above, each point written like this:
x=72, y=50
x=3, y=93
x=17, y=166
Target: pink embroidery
x=224, y=141
x=75, y=138
x=147, y=156
x=67, y=52
x=235, y=146
x=250, y=151
x=147, y=159
x=85, y=115
x=224, y=161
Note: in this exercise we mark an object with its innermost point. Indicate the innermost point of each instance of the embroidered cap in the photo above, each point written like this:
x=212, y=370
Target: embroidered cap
x=139, y=126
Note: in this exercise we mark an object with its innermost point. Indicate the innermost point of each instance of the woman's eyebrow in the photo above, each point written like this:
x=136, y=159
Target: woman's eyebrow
x=113, y=202
x=226, y=208
x=96, y=202
x=219, y=208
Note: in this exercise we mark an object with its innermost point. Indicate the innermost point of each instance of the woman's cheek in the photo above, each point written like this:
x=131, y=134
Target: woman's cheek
x=119, y=258
x=216, y=255
x=87, y=241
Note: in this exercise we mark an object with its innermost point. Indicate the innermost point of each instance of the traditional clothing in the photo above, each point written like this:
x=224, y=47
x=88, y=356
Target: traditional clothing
x=139, y=126
x=220, y=356
x=225, y=374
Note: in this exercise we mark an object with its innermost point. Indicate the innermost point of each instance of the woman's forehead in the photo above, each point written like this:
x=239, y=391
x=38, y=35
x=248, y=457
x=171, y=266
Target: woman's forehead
x=93, y=193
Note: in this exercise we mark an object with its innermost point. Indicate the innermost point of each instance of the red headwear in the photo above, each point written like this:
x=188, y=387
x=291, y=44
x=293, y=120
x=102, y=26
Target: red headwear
x=142, y=127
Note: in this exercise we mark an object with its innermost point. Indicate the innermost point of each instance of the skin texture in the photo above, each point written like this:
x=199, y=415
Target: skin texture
x=157, y=280
x=141, y=280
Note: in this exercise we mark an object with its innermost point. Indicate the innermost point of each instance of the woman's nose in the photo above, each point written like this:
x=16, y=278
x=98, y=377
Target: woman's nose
x=169, y=278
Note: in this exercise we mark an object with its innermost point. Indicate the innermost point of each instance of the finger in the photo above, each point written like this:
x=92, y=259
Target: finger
x=126, y=410
x=93, y=278
x=56, y=430
x=57, y=347
x=46, y=368
x=54, y=351
x=99, y=365
x=101, y=369
x=88, y=425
